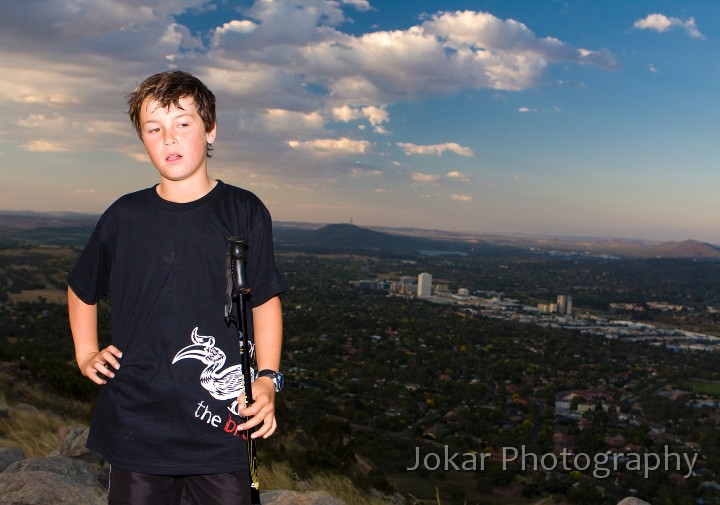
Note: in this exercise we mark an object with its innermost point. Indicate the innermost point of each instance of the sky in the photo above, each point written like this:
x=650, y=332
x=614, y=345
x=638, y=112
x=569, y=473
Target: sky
x=568, y=118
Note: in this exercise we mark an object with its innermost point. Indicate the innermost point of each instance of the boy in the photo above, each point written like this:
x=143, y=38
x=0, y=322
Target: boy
x=168, y=417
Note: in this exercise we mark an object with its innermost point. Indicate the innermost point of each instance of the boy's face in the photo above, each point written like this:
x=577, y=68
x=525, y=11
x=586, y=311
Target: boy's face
x=176, y=140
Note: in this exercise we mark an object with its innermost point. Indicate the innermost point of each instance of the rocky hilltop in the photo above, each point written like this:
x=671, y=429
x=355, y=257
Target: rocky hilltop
x=73, y=475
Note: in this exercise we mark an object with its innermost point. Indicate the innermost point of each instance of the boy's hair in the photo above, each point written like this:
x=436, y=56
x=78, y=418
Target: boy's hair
x=167, y=88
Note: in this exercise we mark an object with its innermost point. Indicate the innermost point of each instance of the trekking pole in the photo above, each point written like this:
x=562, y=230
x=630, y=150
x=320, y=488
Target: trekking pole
x=237, y=291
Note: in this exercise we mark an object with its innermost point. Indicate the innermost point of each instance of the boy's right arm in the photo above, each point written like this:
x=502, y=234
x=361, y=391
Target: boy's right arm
x=90, y=359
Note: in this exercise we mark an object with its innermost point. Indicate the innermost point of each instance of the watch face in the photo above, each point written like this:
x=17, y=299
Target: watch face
x=279, y=381
x=277, y=378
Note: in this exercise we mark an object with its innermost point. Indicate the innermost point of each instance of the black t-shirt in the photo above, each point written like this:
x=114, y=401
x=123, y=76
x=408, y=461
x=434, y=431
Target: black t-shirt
x=169, y=410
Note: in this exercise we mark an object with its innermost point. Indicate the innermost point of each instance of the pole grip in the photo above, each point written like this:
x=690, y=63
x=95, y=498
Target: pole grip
x=238, y=255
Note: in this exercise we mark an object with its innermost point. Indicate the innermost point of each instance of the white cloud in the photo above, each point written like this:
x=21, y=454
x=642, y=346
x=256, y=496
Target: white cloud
x=332, y=147
x=436, y=149
x=281, y=120
x=45, y=146
x=361, y=5
x=662, y=23
x=42, y=121
x=364, y=172
x=453, y=178
x=424, y=178
x=244, y=26
x=460, y=197
x=448, y=52
x=526, y=109
x=281, y=70
x=376, y=116
x=458, y=176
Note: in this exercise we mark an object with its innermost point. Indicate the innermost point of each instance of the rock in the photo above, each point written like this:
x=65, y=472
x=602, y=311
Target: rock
x=73, y=470
x=633, y=501
x=9, y=455
x=72, y=441
x=71, y=476
x=298, y=498
x=46, y=488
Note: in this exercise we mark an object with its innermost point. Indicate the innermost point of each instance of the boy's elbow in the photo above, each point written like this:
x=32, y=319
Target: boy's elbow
x=75, y=300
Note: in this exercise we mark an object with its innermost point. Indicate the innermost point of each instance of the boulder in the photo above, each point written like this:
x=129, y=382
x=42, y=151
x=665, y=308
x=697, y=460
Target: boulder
x=72, y=475
x=71, y=442
x=9, y=455
x=633, y=501
x=46, y=488
x=73, y=470
x=298, y=498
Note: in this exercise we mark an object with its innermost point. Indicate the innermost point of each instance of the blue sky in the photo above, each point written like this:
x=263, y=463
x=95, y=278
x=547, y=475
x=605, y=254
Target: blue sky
x=583, y=118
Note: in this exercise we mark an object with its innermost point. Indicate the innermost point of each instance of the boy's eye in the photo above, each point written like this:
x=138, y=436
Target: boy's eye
x=153, y=130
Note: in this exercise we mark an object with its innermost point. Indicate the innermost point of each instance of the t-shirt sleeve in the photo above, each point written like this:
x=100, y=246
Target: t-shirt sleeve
x=90, y=278
x=263, y=277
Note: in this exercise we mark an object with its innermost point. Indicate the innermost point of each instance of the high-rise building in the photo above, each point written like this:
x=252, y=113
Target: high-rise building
x=424, y=285
x=564, y=304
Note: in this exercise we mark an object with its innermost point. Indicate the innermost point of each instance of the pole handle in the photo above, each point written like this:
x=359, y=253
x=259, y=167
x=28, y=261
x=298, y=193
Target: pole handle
x=238, y=255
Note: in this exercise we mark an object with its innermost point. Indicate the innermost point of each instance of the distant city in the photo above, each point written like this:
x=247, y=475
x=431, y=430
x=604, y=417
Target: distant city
x=557, y=314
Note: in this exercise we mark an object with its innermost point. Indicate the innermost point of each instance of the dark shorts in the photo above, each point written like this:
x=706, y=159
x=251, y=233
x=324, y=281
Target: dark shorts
x=133, y=488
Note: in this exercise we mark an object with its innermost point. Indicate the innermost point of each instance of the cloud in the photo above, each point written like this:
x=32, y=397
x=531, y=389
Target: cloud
x=424, y=178
x=460, y=197
x=361, y=5
x=458, y=176
x=662, y=23
x=447, y=52
x=436, y=149
x=42, y=121
x=341, y=147
x=284, y=73
x=285, y=120
x=364, y=172
x=374, y=115
x=452, y=177
x=45, y=146
x=526, y=109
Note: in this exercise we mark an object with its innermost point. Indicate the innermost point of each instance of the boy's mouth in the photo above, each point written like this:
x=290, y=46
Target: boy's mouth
x=173, y=157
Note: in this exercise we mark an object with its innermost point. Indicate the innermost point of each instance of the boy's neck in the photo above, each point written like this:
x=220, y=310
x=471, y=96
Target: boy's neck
x=185, y=191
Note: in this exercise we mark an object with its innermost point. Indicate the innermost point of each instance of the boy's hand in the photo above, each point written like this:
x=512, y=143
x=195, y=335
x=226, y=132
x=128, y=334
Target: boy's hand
x=262, y=409
x=99, y=365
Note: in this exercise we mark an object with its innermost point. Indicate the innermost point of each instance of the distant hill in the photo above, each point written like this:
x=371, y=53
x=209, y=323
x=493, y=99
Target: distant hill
x=621, y=248
x=67, y=228
x=349, y=237
x=45, y=228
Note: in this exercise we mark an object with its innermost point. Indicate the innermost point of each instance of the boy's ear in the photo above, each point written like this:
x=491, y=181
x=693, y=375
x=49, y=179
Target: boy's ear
x=212, y=134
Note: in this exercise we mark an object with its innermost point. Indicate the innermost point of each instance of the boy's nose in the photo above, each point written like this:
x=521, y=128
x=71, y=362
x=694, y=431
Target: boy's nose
x=169, y=139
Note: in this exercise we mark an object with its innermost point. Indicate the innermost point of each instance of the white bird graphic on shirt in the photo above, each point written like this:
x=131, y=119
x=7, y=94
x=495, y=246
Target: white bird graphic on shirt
x=224, y=384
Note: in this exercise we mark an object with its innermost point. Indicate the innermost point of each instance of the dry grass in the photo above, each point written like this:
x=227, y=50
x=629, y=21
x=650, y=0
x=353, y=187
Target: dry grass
x=281, y=476
x=34, y=416
x=35, y=431
x=50, y=294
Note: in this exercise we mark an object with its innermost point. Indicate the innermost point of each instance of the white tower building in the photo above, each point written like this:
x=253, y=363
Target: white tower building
x=424, y=285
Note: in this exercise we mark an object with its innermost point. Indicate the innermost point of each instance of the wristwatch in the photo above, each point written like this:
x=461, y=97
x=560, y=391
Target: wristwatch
x=277, y=378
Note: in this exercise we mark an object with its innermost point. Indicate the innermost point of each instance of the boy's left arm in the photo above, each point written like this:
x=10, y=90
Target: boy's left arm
x=267, y=326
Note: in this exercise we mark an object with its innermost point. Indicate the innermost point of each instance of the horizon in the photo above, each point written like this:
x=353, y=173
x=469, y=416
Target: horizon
x=544, y=119
x=377, y=227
